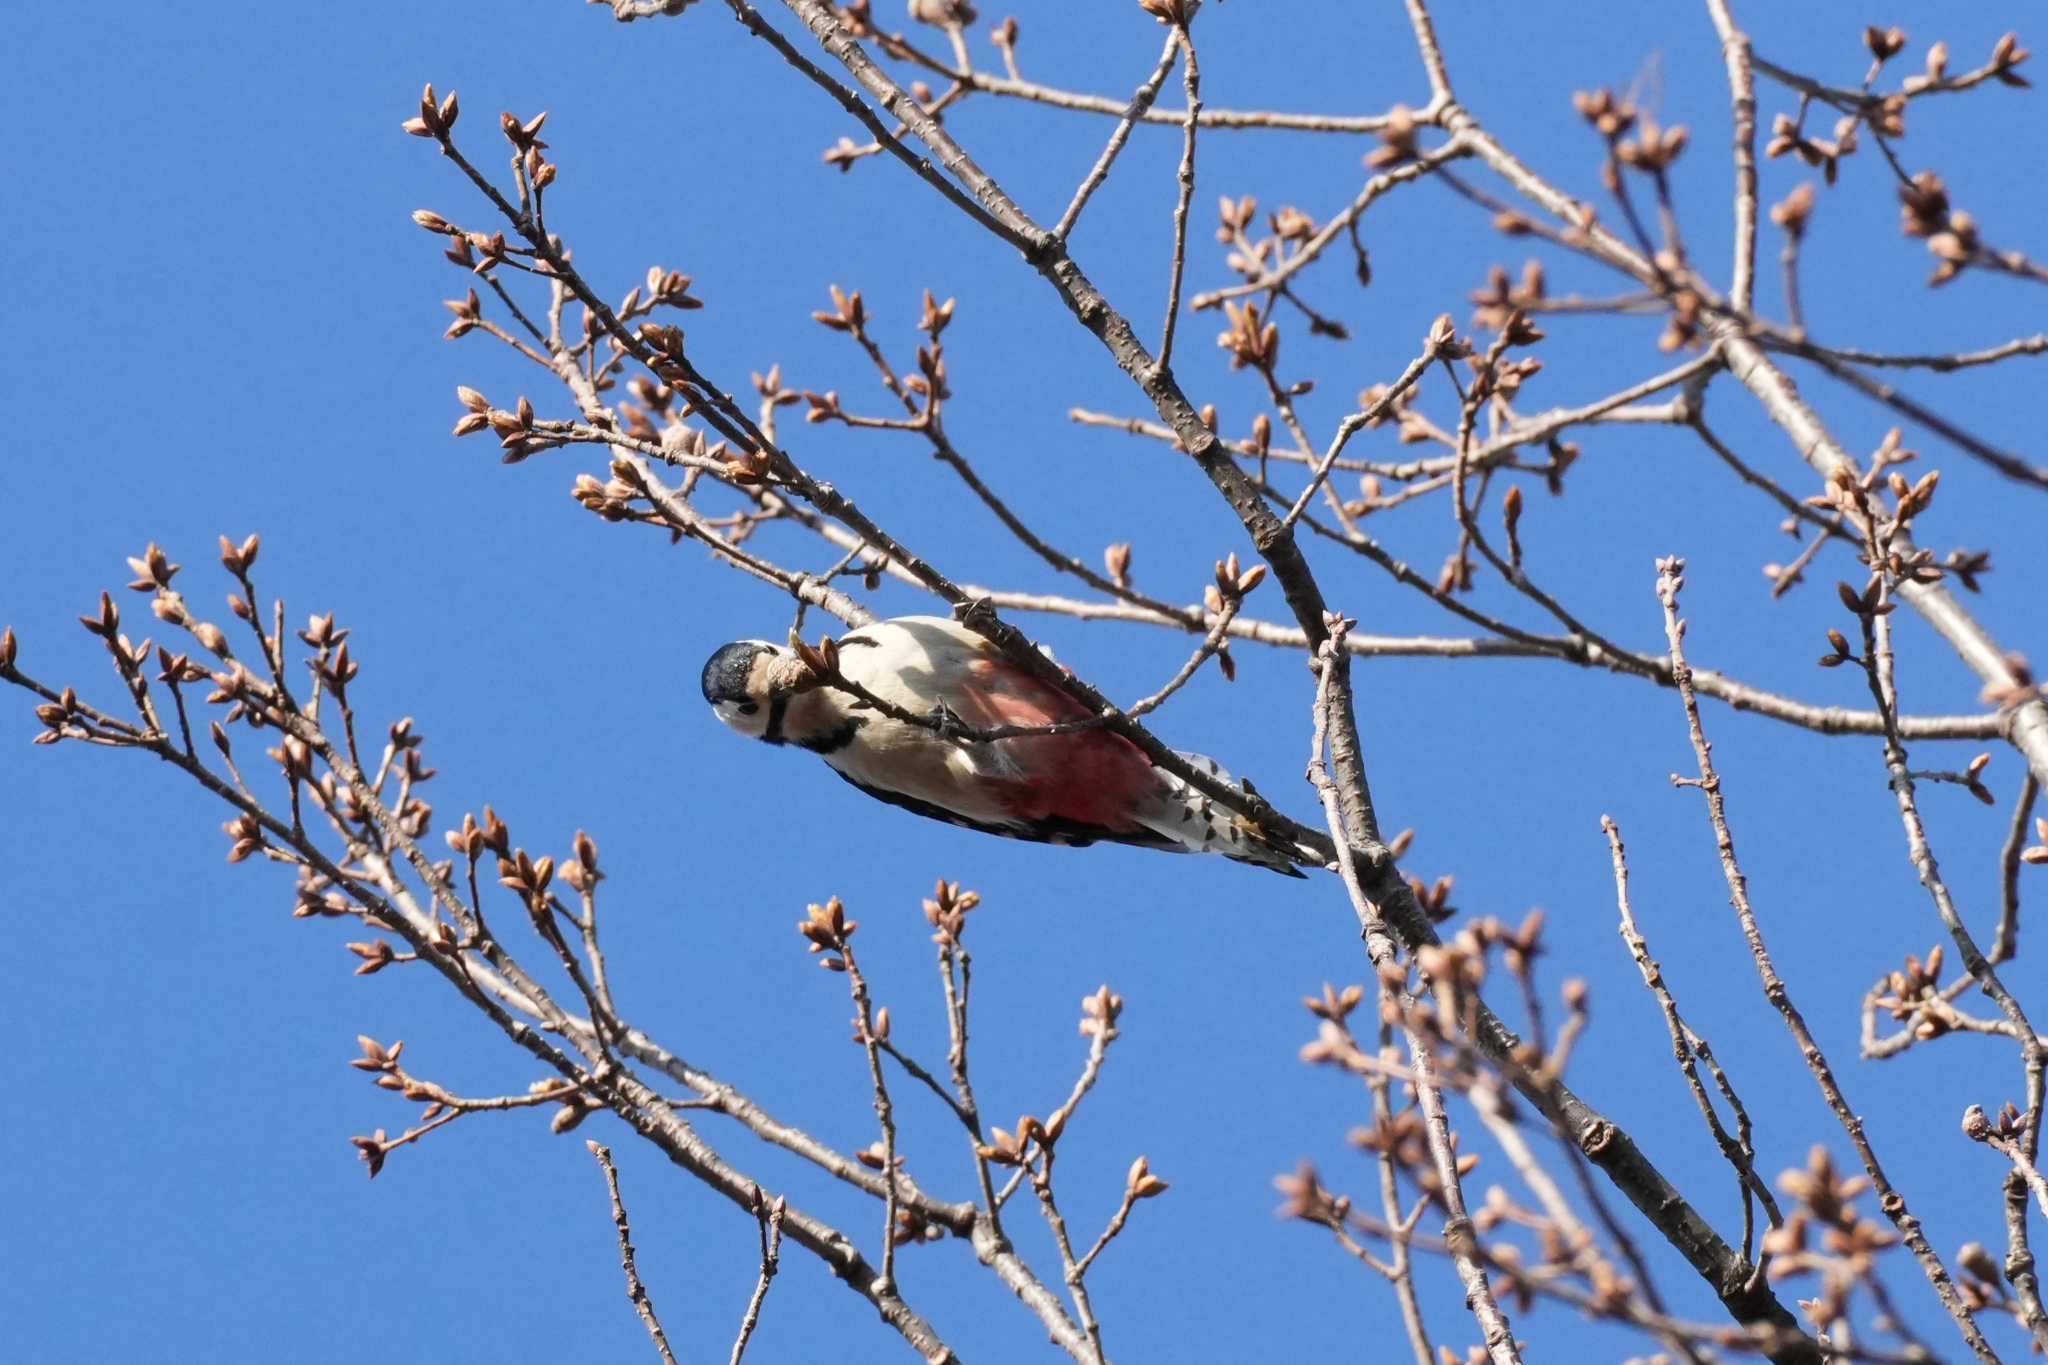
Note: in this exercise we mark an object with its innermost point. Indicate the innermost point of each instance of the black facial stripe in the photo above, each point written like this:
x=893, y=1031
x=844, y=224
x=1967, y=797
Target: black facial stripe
x=778, y=711
x=833, y=741
x=727, y=670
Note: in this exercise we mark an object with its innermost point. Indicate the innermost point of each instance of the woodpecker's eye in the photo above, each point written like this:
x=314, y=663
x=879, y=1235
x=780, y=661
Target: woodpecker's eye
x=748, y=708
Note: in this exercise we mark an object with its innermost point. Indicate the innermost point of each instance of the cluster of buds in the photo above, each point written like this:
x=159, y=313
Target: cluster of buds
x=534, y=169
x=1012, y=1147
x=1788, y=135
x=1250, y=338
x=943, y=13
x=128, y=656
x=1304, y=1196
x=1140, y=1183
x=1950, y=233
x=1099, y=1013
x=1652, y=150
x=1913, y=992
x=322, y=634
x=843, y=153
x=479, y=253
x=376, y=955
x=1610, y=117
x=1954, y=247
x=1234, y=220
x=474, y=839
x=372, y=1149
x=2016, y=687
x=1493, y=376
x=1404, y=1137
x=1869, y=602
x=933, y=317
x=1504, y=295
x=1116, y=562
x=824, y=407
x=1232, y=584
x=2006, y=54
x=1793, y=211
x=1413, y=426
x=245, y=835
x=463, y=247
x=1290, y=224
x=930, y=379
x=849, y=313
x=1825, y=1234
x=468, y=311
x=1967, y=567
x=1003, y=36
x=1175, y=13
x=1852, y=493
x=1983, y=1279
x=946, y=910
x=2009, y=1127
x=527, y=877
x=154, y=570
x=1884, y=44
x=659, y=397
x=1334, y=1006
x=337, y=670
x=514, y=428
x=1443, y=342
x=317, y=897
x=580, y=871
x=612, y=498
x=436, y=116
x=827, y=929
x=1682, y=324
x=524, y=136
x=1433, y=898
x=1397, y=140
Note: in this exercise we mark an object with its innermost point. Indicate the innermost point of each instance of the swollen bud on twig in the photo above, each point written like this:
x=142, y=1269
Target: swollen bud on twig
x=1511, y=516
x=1140, y=1183
x=1117, y=560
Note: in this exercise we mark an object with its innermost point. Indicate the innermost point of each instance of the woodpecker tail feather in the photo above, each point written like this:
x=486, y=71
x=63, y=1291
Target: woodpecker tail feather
x=1196, y=823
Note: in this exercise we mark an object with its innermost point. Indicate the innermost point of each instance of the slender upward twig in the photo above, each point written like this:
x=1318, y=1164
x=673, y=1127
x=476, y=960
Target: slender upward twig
x=1686, y=1046
x=1140, y=103
x=1669, y=581
x=635, y=1291
x=771, y=1260
x=1191, y=77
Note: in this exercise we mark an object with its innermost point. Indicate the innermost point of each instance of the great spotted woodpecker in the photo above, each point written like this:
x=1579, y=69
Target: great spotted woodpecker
x=1075, y=787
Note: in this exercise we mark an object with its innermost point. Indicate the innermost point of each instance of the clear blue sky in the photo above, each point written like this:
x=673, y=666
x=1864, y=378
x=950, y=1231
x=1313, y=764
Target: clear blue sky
x=221, y=319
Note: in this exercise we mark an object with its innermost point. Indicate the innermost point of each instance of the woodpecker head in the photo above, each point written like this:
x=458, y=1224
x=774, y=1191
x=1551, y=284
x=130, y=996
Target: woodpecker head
x=737, y=683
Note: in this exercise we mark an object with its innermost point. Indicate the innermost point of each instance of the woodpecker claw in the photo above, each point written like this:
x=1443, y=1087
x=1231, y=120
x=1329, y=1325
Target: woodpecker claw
x=947, y=723
x=979, y=612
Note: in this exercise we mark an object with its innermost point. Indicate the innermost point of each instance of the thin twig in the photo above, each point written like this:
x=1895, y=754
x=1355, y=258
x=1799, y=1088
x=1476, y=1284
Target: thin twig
x=635, y=1291
x=1191, y=77
x=771, y=1260
x=1140, y=103
x=1669, y=581
x=1685, y=1045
